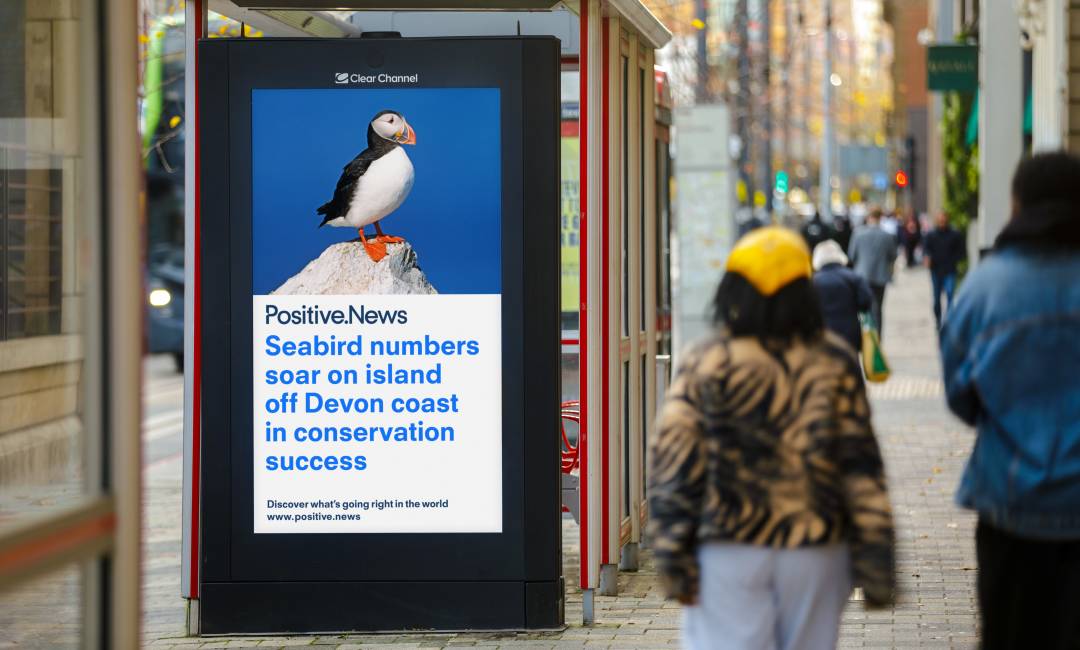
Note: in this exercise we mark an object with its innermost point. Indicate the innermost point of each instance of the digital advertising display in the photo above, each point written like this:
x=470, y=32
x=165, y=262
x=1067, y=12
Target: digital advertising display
x=378, y=335
x=376, y=310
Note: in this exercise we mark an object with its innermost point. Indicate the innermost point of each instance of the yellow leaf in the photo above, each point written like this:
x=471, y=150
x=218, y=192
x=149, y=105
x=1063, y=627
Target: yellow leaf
x=173, y=121
x=698, y=23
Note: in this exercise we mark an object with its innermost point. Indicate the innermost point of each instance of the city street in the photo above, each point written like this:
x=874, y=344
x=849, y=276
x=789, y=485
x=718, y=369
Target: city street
x=924, y=450
x=469, y=241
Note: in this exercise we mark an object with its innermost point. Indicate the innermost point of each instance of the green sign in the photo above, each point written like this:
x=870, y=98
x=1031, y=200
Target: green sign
x=782, y=182
x=952, y=67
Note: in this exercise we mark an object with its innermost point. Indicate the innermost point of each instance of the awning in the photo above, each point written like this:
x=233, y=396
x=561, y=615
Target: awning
x=972, y=135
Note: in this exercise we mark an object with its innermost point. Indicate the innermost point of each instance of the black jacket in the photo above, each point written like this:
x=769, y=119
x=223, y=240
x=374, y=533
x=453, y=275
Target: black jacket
x=945, y=248
x=843, y=295
x=816, y=231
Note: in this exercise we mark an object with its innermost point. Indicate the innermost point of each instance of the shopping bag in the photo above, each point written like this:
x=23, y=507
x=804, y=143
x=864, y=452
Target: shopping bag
x=873, y=358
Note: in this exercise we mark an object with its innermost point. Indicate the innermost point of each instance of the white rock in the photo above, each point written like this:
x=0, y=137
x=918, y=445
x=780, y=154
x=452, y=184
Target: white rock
x=347, y=269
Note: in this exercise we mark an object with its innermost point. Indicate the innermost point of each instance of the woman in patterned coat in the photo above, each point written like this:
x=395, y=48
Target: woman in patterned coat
x=767, y=492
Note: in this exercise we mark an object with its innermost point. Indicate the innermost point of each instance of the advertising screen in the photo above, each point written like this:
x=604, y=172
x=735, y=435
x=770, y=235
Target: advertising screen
x=377, y=334
x=376, y=310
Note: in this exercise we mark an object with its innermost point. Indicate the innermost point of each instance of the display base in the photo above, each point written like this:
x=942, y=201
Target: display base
x=342, y=607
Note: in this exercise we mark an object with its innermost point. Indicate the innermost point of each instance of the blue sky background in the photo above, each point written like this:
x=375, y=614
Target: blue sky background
x=301, y=139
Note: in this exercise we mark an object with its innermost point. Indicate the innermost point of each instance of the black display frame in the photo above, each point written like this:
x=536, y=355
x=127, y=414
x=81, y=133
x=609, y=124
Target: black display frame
x=270, y=583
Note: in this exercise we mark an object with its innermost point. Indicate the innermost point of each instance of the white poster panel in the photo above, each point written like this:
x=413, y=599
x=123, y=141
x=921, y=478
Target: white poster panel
x=377, y=414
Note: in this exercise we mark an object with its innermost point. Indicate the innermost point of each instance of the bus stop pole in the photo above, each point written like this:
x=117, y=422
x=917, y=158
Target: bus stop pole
x=591, y=327
x=195, y=19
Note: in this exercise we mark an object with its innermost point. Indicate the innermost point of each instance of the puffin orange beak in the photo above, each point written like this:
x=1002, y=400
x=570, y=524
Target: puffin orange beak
x=407, y=135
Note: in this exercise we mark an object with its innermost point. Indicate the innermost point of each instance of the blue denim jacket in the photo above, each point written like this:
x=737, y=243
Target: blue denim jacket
x=1011, y=356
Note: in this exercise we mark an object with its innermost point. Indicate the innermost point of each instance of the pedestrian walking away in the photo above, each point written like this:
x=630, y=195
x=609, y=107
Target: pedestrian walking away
x=1010, y=353
x=890, y=223
x=873, y=254
x=842, y=230
x=767, y=496
x=815, y=231
x=943, y=250
x=912, y=235
x=843, y=293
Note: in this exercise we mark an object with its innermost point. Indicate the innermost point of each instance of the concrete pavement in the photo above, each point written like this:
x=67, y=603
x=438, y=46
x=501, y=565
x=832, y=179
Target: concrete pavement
x=924, y=450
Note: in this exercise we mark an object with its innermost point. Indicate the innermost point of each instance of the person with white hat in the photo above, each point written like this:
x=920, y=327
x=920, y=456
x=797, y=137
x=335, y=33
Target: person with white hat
x=844, y=294
x=767, y=496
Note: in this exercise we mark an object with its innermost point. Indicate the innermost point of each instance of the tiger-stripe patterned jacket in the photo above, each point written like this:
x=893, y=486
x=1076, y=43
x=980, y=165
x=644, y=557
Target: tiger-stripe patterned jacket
x=769, y=445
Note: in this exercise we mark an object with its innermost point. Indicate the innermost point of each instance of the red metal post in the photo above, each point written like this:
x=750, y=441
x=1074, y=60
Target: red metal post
x=583, y=289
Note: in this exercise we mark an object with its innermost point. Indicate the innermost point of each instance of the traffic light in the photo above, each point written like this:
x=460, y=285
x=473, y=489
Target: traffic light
x=901, y=178
x=781, y=182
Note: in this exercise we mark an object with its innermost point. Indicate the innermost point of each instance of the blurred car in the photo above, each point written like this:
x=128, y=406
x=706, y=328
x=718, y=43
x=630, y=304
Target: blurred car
x=165, y=302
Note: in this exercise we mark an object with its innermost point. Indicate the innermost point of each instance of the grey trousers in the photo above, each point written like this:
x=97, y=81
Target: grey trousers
x=879, y=302
x=756, y=598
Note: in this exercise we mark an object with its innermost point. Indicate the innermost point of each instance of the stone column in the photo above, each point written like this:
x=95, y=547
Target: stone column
x=943, y=21
x=1050, y=75
x=1001, y=104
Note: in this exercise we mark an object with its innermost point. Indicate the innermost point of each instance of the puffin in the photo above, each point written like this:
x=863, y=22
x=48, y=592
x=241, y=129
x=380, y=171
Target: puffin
x=374, y=183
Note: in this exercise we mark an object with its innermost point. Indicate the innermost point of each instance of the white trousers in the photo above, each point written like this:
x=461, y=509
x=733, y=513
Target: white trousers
x=755, y=598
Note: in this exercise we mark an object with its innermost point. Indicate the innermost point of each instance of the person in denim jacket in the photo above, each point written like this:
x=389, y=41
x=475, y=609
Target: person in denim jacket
x=1011, y=360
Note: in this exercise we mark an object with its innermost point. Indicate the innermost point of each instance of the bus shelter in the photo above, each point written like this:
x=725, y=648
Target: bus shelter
x=615, y=167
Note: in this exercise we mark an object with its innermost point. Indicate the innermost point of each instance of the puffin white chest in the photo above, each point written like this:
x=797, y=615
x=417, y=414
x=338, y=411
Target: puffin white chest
x=381, y=189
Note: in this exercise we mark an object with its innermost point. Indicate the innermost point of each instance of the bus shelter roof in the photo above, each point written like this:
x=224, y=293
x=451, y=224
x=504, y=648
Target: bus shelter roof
x=291, y=13
x=512, y=5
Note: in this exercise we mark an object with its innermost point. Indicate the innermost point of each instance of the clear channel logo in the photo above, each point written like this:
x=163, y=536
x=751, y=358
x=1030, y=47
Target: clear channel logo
x=342, y=78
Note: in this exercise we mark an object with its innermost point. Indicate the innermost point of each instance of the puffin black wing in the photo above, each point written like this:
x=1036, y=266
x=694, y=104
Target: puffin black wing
x=346, y=185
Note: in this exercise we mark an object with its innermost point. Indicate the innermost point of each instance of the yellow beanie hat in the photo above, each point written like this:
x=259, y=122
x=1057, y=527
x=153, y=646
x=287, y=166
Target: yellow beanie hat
x=770, y=258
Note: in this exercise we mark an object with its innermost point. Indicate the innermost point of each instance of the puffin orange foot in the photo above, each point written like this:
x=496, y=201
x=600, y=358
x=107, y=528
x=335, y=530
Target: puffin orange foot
x=388, y=239
x=375, y=250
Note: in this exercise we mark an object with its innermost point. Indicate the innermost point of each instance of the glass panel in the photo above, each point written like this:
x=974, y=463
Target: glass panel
x=624, y=505
x=624, y=221
x=44, y=612
x=663, y=249
x=570, y=170
x=570, y=377
x=45, y=216
x=643, y=115
x=570, y=390
x=646, y=426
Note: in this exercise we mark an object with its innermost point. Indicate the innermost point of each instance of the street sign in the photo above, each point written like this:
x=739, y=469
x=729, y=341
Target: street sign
x=952, y=67
x=705, y=211
x=857, y=159
x=379, y=395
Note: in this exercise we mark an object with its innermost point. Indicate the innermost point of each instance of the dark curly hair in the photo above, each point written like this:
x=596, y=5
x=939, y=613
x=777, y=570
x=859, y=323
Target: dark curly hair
x=793, y=312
